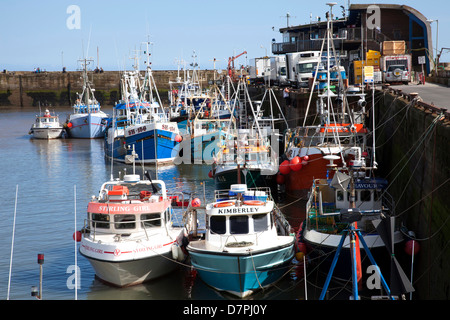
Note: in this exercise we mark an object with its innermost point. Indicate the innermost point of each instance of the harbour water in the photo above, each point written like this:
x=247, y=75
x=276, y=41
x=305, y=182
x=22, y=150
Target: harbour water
x=55, y=177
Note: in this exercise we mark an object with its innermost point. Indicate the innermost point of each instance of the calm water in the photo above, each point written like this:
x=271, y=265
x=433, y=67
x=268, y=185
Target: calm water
x=46, y=173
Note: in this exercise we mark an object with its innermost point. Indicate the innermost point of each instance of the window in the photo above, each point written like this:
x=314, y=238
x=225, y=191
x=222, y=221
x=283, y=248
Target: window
x=365, y=195
x=340, y=195
x=238, y=224
x=124, y=221
x=100, y=220
x=259, y=222
x=308, y=67
x=282, y=71
x=218, y=224
x=151, y=220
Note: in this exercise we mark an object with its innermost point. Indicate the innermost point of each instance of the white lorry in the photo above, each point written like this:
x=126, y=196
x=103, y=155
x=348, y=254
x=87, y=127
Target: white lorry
x=396, y=68
x=301, y=66
x=278, y=73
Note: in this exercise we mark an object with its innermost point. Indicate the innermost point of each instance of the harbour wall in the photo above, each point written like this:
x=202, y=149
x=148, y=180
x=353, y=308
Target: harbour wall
x=28, y=89
x=412, y=150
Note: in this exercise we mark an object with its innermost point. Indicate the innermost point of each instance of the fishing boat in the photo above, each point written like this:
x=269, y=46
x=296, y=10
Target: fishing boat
x=340, y=126
x=87, y=121
x=328, y=205
x=139, y=122
x=207, y=130
x=46, y=126
x=130, y=234
x=252, y=149
x=185, y=95
x=348, y=208
x=247, y=245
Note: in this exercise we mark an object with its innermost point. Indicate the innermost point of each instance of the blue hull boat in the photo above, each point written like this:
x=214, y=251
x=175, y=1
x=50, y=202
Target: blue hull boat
x=166, y=147
x=247, y=244
x=242, y=273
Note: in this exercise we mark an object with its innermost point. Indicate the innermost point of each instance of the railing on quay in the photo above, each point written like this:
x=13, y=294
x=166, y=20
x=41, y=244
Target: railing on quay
x=428, y=108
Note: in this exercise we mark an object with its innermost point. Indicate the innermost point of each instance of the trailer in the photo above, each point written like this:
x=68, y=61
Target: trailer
x=278, y=72
x=259, y=70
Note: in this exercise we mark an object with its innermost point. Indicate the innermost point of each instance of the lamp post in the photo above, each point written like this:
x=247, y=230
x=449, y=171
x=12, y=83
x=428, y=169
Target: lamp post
x=436, y=47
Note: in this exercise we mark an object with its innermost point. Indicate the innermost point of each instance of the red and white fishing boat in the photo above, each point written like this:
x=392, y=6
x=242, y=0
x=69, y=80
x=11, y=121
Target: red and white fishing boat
x=311, y=151
x=129, y=235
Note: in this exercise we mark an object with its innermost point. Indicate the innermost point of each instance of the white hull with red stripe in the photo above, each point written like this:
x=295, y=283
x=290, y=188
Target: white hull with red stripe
x=131, y=261
x=129, y=235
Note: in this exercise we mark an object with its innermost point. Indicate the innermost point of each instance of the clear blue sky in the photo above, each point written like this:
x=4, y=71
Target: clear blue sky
x=35, y=34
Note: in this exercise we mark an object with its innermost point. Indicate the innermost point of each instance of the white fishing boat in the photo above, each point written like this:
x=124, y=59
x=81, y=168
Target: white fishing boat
x=47, y=126
x=129, y=235
x=87, y=121
x=247, y=246
x=252, y=148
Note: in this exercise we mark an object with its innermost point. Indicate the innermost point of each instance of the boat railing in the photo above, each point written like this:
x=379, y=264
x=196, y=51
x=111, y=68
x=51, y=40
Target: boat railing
x=224, y=194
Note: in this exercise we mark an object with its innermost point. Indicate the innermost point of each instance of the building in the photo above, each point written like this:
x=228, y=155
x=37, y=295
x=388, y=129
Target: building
x=362, y=27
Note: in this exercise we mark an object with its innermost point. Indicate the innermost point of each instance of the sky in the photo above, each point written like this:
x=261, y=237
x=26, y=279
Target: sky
x=45, y=33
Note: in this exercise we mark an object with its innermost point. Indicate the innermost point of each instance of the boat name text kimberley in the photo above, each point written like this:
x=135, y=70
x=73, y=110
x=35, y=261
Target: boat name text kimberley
x=238, y=210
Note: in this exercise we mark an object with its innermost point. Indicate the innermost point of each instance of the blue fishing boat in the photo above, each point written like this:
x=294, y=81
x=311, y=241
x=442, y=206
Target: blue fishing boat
x=140, y=123
x=87, y=121
x=247, y=245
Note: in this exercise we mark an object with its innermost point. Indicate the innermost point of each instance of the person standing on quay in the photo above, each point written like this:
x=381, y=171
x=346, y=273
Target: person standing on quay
x=287, y=97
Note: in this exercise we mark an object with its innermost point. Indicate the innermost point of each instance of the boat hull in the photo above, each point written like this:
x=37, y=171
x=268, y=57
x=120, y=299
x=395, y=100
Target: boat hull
x=133, y=272
x=299, y=182
x=242, y=274
x=47, y=133
x=322, y=245
x=144, y=146
x=87, y=126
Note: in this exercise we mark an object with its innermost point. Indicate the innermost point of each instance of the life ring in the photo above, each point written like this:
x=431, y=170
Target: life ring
x=224, y=204
x=254, y=203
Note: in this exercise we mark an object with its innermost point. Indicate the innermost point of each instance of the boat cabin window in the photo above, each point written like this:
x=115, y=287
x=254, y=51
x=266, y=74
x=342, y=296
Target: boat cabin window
x=238, y=224
x=340, y=195
x=151, y=220
x=124, y=221
x=218, y=224
x=365, y=195
x=100, y=220
x=260, y=222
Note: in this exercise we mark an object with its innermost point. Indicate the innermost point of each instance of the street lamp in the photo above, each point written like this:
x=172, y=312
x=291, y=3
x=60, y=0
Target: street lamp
x=437, y=34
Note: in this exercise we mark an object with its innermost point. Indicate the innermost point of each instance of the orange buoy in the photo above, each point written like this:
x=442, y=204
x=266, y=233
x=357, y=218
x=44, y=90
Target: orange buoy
x=409, y=247
x=295, y=163
x=178, y=138
x=280, y=179
x=77, y=236
x=285, y=167
x=196, y=202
